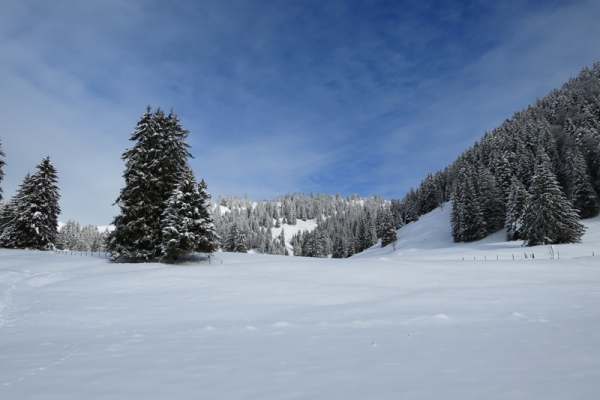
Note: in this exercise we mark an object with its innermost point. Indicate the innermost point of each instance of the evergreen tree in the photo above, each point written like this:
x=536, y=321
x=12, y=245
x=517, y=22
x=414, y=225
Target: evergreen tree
x=473, y=223
x=209, y=241
x=367, y=235
x=185, y=226
x=153, y=168
x=319, y=248
x=32, y=218
x=581, y=193
x=7, y=217
x=515, y=208
x=467, y=219
x=491, y=201
x=428, y=195
x=339, y=250
x=548, y=216
x=236, y=240
x=388, y=232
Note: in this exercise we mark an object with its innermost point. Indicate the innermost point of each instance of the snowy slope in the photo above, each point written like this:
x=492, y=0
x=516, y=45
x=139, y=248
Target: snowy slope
x=418, y=323
x=429, y=238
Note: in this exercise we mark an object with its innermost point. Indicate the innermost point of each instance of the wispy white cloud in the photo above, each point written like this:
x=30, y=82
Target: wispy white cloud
x=278, y=97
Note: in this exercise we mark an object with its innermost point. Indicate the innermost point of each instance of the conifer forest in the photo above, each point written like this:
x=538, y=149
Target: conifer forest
x=537, y=175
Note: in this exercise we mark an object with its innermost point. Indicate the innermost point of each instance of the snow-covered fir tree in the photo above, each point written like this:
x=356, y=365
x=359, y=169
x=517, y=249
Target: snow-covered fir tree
x=187, y=223
x=153, y=168
x=582, y=195
x=515, y=208
x=467, y=219
x=31, y=220
x=428, y=195
x=548, y=217
x=491, y=201
x=236, y=240
x=7, y=217
x=388, y=235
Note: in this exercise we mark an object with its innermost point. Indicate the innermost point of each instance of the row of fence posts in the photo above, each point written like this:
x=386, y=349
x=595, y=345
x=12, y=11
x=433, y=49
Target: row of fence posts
x=532, y=256
x=84, y=253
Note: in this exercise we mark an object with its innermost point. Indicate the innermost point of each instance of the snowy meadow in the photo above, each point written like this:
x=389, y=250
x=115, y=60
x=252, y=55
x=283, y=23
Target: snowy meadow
x=414, y=323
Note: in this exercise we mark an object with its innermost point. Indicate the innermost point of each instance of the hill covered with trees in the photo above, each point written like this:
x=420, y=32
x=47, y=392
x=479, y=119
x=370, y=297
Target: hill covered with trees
x=536, y=175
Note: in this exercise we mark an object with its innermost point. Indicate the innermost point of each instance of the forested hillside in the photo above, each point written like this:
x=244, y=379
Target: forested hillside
x=345, y=226
x=536, y=174
x=542, y=166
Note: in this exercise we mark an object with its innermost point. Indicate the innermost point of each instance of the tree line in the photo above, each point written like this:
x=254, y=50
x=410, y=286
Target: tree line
x=345, y=226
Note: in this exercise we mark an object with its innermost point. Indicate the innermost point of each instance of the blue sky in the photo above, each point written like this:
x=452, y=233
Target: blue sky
x=279, y=96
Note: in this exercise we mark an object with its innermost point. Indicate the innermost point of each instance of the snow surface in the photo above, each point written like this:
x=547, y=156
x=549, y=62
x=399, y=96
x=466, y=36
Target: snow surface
x=417, y=323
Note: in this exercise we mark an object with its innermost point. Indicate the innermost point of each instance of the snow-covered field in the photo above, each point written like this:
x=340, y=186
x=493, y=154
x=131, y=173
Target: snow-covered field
x=417, y=323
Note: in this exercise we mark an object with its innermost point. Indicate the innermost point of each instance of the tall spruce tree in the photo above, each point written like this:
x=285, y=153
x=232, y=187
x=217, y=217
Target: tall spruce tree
x=582, y=195
x=388, y=232
x=428, y=195
x=548, y=216
x=210, y=240
x=491, y=201
x=515, y=207
x=153, y=168
x=467, y=219
x=31, y=220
